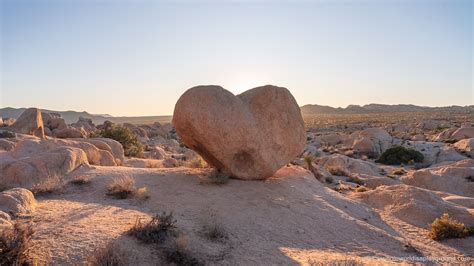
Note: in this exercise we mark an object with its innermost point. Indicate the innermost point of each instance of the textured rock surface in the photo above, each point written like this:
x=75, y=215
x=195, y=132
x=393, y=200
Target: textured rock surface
x=248, y=136
x=30, y=122
x=17, y=201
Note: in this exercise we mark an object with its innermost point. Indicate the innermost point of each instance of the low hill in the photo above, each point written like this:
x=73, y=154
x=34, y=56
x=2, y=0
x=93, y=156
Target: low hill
x=312, y=109
x=73, y=116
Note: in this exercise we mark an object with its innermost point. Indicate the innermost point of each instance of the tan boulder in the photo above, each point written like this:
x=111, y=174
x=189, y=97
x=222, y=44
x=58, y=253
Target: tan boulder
x=110, y=145
x=30, y=122
x=17, y=201
x=26, y=171
x=5, y=221
x=248, y=136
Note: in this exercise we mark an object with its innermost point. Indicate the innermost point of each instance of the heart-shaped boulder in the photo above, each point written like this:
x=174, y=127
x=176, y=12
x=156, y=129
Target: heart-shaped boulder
x=248, y=136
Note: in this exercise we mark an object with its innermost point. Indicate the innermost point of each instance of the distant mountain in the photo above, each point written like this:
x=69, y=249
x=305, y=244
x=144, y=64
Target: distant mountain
x=73, y=116
x=312, y=109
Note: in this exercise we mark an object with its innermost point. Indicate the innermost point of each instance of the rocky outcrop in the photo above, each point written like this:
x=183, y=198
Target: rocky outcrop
x=30, y=122
x=248, y=136
x=465, y=146
x=413, y=205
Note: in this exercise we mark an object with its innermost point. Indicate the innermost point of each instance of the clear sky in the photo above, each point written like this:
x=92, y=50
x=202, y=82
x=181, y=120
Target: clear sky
x=137, y=57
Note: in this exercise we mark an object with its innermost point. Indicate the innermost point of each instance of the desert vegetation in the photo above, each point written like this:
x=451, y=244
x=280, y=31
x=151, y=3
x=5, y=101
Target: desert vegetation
x=398, y=155
x=157, y=230
x=15, y=244
x=131, y=145
x=445, y=227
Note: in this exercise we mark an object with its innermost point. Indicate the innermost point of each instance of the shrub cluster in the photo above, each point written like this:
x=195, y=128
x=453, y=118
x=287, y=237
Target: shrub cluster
x=14, y=244
x=131, y=145
x=156, y=230
x=399, y=155
x=5, y=134
x=445, y=227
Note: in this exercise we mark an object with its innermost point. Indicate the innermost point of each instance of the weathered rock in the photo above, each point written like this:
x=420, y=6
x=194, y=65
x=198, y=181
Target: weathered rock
x=17, y=201
x=69, y=132
x=248, y=136
x=6, y=145
x=26, y=171
x=463, y=133
x=56, y=123
x=113, y=146
x=371, y=142
x=30, y=122
x=466, y=146
x=85, y=123
x=413, y=205
x=450, y=178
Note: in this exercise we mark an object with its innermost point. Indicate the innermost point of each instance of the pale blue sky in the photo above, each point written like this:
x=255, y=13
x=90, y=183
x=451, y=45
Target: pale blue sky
x=138, y=57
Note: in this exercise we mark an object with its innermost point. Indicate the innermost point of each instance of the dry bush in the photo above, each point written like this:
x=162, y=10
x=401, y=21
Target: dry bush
x=214, y=232
x=121, y=187
x=446, y=227
x=142, y=193
x=361, y=189
x=14, y=244
x=157, y=230
x=329, y=179
x=214, y=177
x=110, y=255
x=5, y=134
x=197, y=162
x=178, y=254
x=50, y=185
x=80, y=180
x=337, y=171
x=399, y=171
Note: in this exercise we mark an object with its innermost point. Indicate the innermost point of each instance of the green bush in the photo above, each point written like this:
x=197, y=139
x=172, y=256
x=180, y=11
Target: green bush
x=399, y=155
x=131, y=145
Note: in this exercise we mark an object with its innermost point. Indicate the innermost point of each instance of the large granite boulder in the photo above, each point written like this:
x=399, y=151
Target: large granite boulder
x=248, y=136
x=30, y=122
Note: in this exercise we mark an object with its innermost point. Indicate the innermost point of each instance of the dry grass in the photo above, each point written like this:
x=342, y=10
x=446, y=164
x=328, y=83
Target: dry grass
x=179, y=255
x=110, y=255
x=15, y=244
x=446, y=227
x=214, y=232
x=80, y=180
x=121, y=187
x=197, y=162
x=337, y=171
x=142, y=193
x=48, y=186
x=157, y=230
x=214, y=177
x=399, y=171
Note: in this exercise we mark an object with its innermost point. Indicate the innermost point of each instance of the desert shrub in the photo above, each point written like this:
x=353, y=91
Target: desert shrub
x=129, y=140
x=14, y=244
x=110, y=255
x=337, y=171
x=157, y=230
x=5, y=134
x=398, y=155
x=179, y=255
x=48, y=186
x=121, y=187
x=361, y=189
x=214, y=177
x=470, y=178
x=446, y=227
x=214, y=232
x=80, y=180
x=142, y=193
x=197, y=162
x=399, y=171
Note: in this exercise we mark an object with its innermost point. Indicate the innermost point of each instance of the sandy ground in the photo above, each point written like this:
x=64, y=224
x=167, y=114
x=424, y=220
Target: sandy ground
x=287, y=220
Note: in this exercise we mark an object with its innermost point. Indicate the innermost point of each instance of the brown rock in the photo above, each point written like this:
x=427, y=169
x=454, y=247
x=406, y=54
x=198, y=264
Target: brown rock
x=248, y=136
